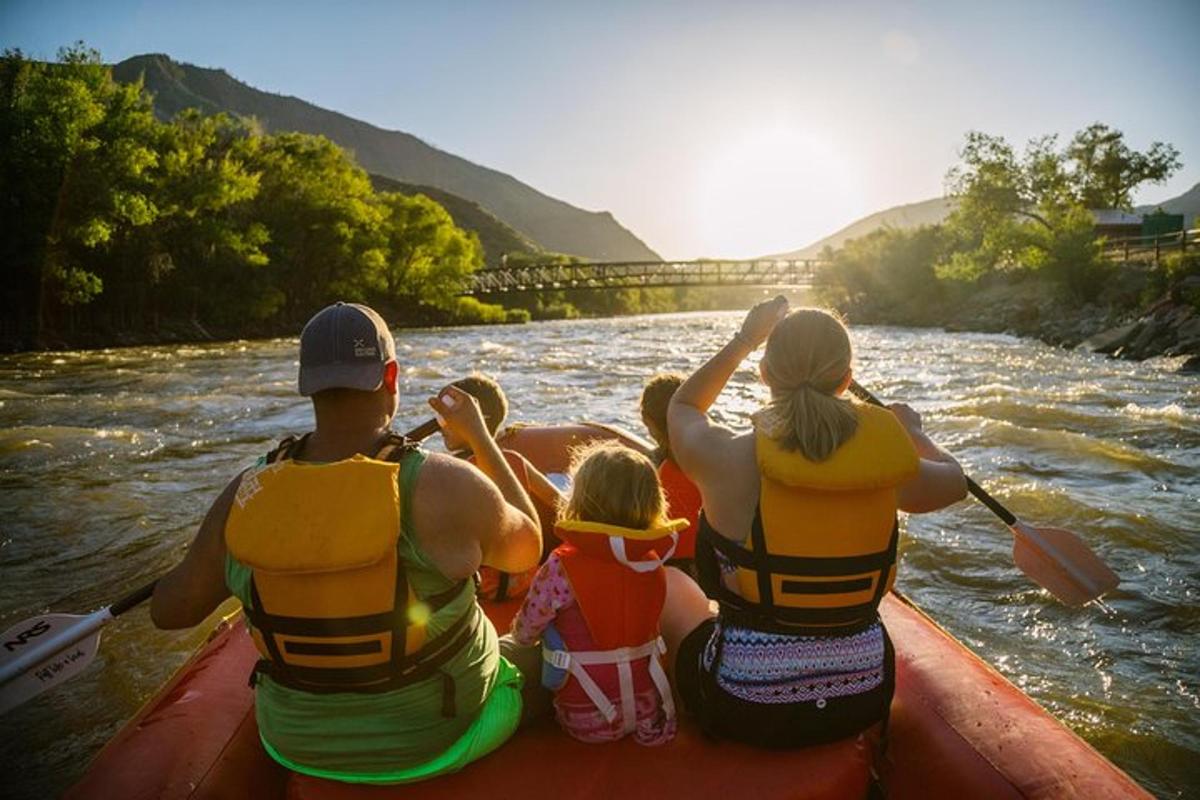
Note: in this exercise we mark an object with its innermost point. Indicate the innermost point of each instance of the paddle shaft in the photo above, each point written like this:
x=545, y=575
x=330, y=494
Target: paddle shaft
x=981, y=494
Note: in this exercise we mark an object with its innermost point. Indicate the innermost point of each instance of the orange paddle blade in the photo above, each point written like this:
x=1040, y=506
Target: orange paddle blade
x=1059, y=561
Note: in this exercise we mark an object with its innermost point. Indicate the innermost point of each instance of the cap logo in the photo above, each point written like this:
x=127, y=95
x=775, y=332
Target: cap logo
x=361, y=349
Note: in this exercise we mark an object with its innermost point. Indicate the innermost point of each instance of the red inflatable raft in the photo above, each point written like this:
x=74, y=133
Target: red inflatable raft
x=958, y=730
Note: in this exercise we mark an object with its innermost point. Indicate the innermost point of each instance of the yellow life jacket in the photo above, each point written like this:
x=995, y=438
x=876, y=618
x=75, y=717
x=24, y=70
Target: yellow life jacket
x=822, y=547
x=331, y=607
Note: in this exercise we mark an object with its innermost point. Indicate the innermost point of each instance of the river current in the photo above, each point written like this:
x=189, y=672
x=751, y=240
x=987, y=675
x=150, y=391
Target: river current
x=108, y=460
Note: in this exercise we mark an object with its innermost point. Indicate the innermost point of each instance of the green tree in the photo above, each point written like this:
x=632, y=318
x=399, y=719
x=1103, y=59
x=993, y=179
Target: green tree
x=886, y=275
x=428, y=258
x=323, y=222
x=1030, y=211
x=77, y=152
x=207, y=249
x=1106, y=171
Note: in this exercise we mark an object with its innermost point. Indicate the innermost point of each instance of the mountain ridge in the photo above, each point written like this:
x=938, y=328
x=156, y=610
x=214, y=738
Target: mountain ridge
x=936, y=209
x=547, y=221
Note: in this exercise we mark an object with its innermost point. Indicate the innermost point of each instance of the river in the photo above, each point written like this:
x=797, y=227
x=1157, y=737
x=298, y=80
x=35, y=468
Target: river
x=108, y=460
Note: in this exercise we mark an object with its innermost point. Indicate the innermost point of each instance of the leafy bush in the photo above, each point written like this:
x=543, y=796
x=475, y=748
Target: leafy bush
x=469, y=311
x=1168, y=277
x=885, y=275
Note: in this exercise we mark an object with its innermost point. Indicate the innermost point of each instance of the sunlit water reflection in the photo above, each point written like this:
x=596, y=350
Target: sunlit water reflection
x=108, y=460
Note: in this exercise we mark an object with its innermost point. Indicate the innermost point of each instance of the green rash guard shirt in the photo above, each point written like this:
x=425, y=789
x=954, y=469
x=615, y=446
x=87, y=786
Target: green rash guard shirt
x=388, y=736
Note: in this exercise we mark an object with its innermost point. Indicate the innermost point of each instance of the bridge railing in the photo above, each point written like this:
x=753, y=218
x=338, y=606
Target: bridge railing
x=645, y=274
x=1150, y=248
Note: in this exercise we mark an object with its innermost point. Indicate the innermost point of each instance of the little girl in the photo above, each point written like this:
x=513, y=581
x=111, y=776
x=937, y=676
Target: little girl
x=597, y=599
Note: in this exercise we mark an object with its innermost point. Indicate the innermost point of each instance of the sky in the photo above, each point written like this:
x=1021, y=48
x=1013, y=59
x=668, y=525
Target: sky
x=708, y=129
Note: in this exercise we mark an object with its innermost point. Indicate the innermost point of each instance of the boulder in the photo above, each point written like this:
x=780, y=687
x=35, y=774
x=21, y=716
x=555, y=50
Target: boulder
x=1190, y=329
x=1111, y=340
x=1192, y=365
x=1154, y=337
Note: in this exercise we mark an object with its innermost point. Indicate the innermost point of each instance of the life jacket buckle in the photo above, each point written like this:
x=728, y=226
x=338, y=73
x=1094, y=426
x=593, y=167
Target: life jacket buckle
x=559, y=659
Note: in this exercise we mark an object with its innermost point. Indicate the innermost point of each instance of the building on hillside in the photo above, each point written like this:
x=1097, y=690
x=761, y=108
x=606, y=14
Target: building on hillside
x=1114, y=223
x=1160, y=223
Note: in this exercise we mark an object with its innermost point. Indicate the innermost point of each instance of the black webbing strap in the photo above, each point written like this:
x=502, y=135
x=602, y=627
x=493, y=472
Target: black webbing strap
x=287, y=448
x=381, y=677
x=364, y=625
x=890, y=561
x=394, y=448
x=800, y=566
x=268, y=636
x=758, y=537
x=770, y=616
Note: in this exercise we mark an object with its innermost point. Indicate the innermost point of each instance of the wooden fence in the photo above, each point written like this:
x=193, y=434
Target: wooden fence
x=1151, y=248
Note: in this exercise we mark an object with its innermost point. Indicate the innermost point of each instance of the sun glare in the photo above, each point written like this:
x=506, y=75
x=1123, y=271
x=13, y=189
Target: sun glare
x=773, y=188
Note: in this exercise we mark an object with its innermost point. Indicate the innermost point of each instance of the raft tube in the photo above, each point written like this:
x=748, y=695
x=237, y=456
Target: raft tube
x=958, y=730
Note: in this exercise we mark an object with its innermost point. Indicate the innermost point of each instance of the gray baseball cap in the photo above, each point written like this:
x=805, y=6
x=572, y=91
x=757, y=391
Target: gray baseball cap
x=344, y=346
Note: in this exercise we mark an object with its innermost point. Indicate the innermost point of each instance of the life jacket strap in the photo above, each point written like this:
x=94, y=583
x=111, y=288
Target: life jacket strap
x=393, y=447
x=796, y=573
x=387, y=677
x=622, y=658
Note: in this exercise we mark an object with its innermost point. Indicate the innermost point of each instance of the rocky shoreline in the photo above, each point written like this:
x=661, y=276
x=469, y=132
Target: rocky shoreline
x=1168, y=328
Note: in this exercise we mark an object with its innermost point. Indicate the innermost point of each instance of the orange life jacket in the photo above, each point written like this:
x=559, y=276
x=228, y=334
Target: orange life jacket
x=822, y=548
x=617, y=578
x=331, y=606
x=683, y=500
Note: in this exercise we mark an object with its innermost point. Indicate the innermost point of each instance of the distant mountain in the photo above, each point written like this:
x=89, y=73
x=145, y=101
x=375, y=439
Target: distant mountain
x=549, y=222
x=931, y=212
x=913, y=215
x=1187, y=204
x=496, y=237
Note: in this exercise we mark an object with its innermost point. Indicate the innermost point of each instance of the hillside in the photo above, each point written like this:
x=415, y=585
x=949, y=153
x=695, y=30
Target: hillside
x=933, y=211
x=926, y=212
x=496, y=237
x=551, y=223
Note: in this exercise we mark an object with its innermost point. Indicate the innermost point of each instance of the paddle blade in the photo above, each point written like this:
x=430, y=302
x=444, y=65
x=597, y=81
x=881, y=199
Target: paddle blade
x=57, y=667
x=1059, y=561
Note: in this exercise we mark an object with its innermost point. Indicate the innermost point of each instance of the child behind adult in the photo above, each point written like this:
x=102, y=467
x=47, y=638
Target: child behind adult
x=597, y=599
x=683, y=498
x=493, y=584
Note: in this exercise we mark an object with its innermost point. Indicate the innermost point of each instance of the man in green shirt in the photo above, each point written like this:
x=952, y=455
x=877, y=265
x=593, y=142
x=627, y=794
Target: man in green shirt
x=411, y=723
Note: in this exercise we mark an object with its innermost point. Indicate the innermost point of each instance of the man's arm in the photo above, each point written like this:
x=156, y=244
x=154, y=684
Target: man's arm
x=187, y=594
x=462, y=521
x=459, y=412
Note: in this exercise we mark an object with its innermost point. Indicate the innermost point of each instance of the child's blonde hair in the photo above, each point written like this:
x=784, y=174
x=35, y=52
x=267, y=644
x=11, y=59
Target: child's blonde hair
x=615, y=485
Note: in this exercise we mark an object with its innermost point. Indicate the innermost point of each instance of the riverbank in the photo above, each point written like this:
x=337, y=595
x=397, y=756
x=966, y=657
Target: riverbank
x=467, y=311
x=1168, y=327
x=1118, y=324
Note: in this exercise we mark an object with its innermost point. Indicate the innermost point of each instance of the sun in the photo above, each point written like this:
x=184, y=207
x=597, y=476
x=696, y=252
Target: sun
x=772, y=188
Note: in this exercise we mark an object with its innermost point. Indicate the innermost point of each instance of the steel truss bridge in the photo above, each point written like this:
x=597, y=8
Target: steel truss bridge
x=644, y=275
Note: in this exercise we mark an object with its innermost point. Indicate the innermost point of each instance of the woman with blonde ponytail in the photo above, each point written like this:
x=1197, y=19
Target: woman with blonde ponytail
x=797, y=539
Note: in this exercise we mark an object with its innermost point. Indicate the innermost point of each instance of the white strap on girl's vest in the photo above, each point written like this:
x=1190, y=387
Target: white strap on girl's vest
x=617, y=544
x=621, y=657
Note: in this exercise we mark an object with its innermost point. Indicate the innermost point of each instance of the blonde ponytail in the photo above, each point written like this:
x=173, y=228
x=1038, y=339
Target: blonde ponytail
x=806, y=360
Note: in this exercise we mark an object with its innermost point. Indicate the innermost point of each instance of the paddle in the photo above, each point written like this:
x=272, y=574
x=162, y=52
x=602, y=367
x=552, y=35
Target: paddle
x=41, y=652
x=1054, y=558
